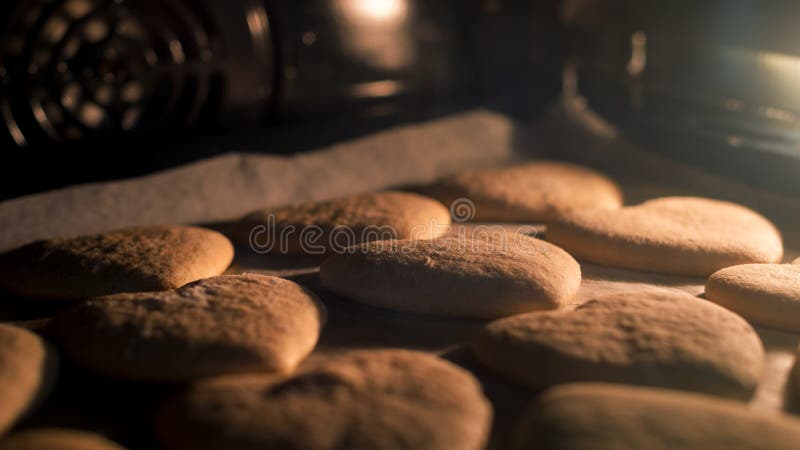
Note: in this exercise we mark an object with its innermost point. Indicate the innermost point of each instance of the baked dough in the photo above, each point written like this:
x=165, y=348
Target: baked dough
x=614, y=417
x=334, y=225
x=456, y=276
x=766, y=294
x=675, y=235
x=365, y=400
x=28, y=369
x=531, y=192
x=220, y=325
x=138, y=259
x=57, y=439
x=662, y=339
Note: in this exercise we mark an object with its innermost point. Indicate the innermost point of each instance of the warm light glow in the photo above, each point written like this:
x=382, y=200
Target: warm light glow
x=638, y=59
x=374, y=89
x=786, y=66
x=376, y=32
x=375, y=10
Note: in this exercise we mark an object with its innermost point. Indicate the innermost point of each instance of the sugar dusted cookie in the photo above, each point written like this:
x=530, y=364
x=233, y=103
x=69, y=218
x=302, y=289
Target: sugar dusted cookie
x=220, y=325
x=767, y=294
x=662, y=339
x=586, y=416
x=57, y=439
x=531, y=192
x=366, y=400
x=150, y=258
x=456, y=276
x=319, y=227
x=676, y=235
x=27, y=373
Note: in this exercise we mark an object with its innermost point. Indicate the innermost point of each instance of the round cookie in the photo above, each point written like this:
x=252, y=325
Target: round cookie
x=490, y=277
x=662, y=339
x=766, y=294
x=138, y=259
x=589, y=416
x=675, y=235
x=333, y=225
x=27, y=373
x=366, y=400
x=531, y=192
x=57, y=439
x=220, y=325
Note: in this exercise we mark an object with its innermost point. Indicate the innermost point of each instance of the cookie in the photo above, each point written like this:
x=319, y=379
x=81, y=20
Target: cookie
x=532, y=192
x=766, y=294
x=57, y=439
x=661, y=339
x=27, y=373
x=587, y=416
x=138, y=259
x=674, y=235
x=333, y=225
x=220, y=325
x=365, y=400
x=456, y=276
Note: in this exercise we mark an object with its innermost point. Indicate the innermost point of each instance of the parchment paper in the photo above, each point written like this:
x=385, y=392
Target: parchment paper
x=233, y=184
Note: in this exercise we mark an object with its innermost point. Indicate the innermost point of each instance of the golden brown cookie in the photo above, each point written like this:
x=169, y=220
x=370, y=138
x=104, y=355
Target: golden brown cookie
x=319, y=227
x=531, y=192
x=766, y=294
x=456, y=276
x=366, y=400
x=28, y=369
x=588, y=416
x=57, y=439
x=662, y=339
x=676, y=235
x=220, y=325
x=138, y=259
